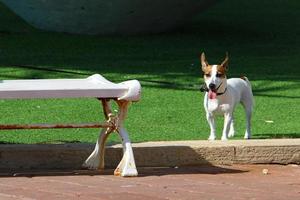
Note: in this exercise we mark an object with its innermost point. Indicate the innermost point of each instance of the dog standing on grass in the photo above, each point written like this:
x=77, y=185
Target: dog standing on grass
x=222, y=95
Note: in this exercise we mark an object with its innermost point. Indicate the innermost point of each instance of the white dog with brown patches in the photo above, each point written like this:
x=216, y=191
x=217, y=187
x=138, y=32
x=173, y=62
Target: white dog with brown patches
x=222, y=95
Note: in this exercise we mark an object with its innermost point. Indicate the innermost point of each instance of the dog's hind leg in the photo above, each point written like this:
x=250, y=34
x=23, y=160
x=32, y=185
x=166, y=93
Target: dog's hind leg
x=231, y=129
x=248, y=109
x=248, y=123
x=247, y=101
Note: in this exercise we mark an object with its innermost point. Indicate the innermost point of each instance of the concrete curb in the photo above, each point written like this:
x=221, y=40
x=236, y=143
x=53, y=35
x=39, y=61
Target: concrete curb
x=154, y=154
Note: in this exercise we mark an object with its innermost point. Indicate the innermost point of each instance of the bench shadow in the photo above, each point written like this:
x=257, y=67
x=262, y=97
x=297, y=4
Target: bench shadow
x=52, y=172
x=181, y=159
x=143, y=171
x=151, y=160
x=200, y=169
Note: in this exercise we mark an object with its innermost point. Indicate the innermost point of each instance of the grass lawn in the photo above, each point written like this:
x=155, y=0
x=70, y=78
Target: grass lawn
x=262, y=38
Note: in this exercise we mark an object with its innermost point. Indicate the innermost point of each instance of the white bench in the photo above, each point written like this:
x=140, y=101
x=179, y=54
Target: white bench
x=94, y=86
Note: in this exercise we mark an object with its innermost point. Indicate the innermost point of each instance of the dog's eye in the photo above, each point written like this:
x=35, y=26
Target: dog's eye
x=207, y=75
x=219, y=75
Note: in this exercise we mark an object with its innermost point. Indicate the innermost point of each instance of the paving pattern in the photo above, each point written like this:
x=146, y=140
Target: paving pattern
x=201, y=182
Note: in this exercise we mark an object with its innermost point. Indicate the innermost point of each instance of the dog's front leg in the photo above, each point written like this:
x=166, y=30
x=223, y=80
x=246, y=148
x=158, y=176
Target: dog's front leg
x=211, y=121
x=227, y=122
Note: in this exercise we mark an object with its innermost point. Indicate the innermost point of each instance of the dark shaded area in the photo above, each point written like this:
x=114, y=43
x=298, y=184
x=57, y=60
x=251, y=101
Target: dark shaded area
x=143, y=171
x=40, y=173
x=201, y=169
x=258, y=47
x=276, y=135
x=49, y=69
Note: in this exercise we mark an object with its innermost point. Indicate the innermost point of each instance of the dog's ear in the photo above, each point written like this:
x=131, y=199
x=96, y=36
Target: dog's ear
x=225, y=62
x=204, y=62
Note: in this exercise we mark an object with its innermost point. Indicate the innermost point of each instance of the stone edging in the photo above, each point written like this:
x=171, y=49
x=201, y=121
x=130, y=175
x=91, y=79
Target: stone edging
x=154, y=154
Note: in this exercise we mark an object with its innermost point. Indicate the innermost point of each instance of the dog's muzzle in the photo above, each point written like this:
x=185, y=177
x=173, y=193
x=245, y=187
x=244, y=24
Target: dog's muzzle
x=212, y=86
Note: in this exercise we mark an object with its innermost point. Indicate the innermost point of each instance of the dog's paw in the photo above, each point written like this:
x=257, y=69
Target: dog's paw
x=231, y=133
x=212, y=138
x=247, y=137
x=224, y=138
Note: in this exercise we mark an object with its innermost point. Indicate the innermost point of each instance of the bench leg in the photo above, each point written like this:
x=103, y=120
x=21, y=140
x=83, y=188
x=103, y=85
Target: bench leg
x=96, y=159
x=127, y=165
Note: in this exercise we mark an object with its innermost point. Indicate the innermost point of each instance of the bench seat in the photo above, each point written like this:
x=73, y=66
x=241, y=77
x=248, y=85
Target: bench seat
x=93, y=86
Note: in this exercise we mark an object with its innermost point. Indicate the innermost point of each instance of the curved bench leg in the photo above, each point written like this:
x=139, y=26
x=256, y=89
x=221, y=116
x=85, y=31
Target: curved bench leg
x=96, y=159
x=127, y=165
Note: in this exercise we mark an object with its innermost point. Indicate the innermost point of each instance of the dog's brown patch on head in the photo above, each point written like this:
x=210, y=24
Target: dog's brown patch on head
x=207, y=71
x=221, y=71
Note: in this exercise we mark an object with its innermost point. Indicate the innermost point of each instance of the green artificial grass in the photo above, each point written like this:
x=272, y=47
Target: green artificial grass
x=262, y=38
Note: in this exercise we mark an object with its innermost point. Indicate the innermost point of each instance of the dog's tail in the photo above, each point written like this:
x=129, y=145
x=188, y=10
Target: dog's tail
x=246, y=79
x=249, y=95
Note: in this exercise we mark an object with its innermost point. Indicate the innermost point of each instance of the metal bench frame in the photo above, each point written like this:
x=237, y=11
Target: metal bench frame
x=128, y=91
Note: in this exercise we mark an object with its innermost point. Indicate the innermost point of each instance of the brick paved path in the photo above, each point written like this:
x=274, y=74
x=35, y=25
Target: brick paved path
x=212, y=182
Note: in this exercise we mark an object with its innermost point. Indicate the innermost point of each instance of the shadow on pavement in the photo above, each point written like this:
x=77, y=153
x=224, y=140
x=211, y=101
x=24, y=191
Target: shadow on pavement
x=143, y=171
x=201, y=169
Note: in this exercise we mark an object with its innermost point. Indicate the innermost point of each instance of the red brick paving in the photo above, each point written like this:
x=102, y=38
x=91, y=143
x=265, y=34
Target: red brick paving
x=202, y=182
